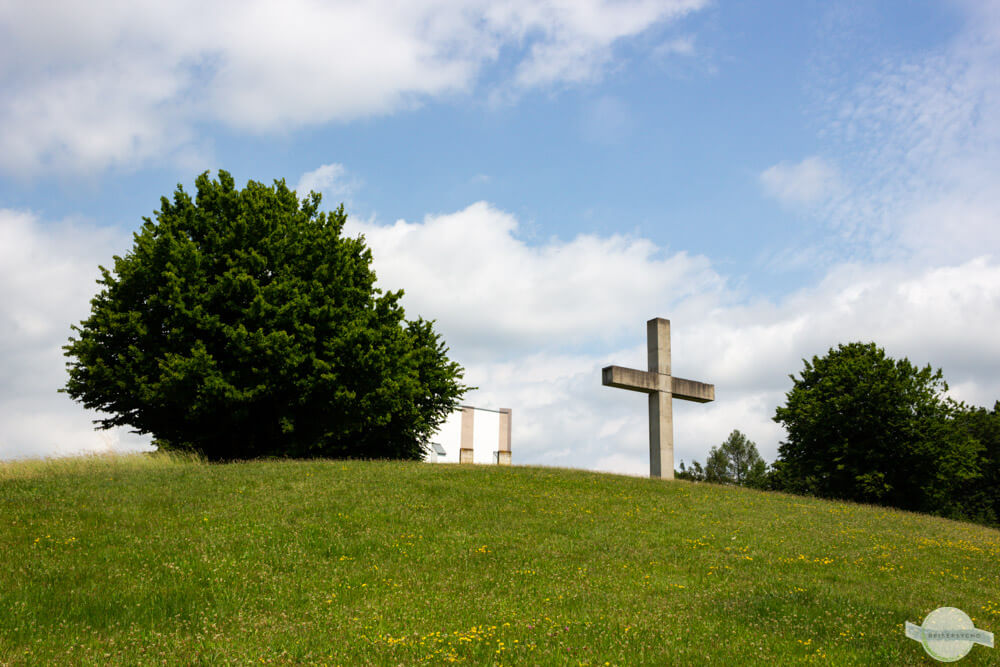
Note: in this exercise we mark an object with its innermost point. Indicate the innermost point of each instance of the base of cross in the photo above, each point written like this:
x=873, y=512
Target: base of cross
x=662, y=388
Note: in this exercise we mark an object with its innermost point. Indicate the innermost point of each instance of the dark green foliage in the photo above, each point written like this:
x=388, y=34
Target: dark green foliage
x=243, y=324
x=735, y=461
x=717, y=467
x=693, y=474
x=864, y=427
x=980, y=500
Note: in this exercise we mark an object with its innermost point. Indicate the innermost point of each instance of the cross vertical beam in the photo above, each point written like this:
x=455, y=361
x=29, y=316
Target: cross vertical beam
x=661, y=434
x=661, y=408
x=662, y=388
x=658, y=345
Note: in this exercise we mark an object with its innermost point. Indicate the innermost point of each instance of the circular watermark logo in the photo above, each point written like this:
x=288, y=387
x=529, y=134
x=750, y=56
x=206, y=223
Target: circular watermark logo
x=947, y=634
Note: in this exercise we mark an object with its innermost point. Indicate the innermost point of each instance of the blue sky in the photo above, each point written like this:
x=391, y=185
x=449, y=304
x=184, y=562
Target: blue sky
x=541, y=178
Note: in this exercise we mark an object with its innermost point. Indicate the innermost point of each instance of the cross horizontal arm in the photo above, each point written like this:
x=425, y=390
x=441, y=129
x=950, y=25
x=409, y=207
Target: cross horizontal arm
x=649, y=382
x=691, y=390
x=631, y=379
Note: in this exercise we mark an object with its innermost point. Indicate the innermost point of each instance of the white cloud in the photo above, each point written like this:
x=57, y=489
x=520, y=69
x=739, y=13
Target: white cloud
x=807, y=183
x=917, y=146
x=47, y=276
x=113, y=115
x=534, y=325
x=116, y=84
x=683, y=46
x=331, y=181
x=563, y=293
x=578, y=35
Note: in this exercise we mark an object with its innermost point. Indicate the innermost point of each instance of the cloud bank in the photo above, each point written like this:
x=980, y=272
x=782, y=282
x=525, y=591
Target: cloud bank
x=917, y=146
x=47, y=277
x=88, y=86
x=810, y=182
x=535, y=324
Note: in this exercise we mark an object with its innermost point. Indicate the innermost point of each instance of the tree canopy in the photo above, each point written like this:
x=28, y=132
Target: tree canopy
x=862, y=426
x=979, y=499
x=735, y=461
x=243, y=323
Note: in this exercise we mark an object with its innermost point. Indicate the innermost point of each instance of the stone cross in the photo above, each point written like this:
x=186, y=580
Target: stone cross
x=661, y=387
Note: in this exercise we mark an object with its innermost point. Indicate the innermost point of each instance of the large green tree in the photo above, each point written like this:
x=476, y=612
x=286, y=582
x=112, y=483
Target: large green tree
x=243, y=323
x=865, y=427
x=980, y=500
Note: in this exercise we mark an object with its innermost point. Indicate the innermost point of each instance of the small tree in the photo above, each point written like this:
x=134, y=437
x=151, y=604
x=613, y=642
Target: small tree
x=243, y=324
x=736, y=461
x=692, y=474
x=717, y=467
x=862, y=426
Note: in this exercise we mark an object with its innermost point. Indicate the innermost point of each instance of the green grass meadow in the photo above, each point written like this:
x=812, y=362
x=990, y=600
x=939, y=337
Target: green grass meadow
x=144, y=560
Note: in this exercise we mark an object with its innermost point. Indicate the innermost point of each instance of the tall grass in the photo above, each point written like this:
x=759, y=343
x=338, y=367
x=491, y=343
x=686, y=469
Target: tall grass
x=93, y=463
x=167, y=560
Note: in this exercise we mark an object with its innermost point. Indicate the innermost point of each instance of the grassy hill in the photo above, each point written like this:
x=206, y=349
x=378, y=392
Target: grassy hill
x=153, y=560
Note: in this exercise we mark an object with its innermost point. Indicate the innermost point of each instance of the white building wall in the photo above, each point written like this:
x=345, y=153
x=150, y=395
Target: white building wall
x=485, y=437
x=449, y=436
